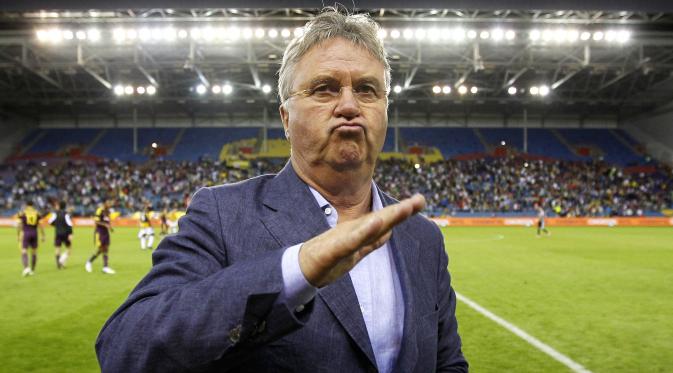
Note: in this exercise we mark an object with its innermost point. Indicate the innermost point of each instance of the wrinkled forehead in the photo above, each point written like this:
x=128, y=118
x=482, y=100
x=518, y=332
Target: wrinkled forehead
x=340, y=59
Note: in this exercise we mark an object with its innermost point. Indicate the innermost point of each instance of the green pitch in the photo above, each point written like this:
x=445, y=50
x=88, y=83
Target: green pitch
x=601, y=296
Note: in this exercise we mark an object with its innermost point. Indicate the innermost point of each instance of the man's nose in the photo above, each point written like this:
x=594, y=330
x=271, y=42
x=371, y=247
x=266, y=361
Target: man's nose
x=347, y=104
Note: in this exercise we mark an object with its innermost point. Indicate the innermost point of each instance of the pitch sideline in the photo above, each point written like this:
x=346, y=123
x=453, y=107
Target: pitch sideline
x=563, y=359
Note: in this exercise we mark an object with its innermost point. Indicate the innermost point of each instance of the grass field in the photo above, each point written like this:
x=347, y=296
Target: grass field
x=601, y=296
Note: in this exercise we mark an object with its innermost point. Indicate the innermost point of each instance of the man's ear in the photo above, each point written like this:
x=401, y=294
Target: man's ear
x=285, y=118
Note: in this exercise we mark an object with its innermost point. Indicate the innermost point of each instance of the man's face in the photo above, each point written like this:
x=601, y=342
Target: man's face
x=344, y=132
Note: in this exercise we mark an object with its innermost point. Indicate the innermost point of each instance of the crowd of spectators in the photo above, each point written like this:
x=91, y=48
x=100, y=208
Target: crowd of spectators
x=484, y=186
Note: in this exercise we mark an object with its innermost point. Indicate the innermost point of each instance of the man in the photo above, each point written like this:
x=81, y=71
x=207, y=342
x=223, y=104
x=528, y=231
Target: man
x=101, y=238
x=62, y=234
x=541, y=214
x=146, y=233
x=27, y=234
x=164, y=221
x=313, y=269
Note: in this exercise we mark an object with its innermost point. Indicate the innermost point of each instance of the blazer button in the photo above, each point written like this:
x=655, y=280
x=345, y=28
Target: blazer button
x=235, y=334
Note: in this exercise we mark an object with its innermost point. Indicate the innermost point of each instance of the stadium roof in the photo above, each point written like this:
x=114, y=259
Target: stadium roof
x=79, y=62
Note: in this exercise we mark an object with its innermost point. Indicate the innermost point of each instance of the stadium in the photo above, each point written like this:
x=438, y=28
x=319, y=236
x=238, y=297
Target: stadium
x=541, y=140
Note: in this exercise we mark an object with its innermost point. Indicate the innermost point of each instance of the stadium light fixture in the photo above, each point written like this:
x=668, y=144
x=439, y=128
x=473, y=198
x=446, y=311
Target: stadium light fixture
x=534, y=35
x=382, y=34
x=201, y=89
x=497, y=34
x=434, y=34
x=131, y=34
x=572, y=35
x=462, y=89
x=285, y=33
x=511, y=90
x=195, y=33
x=623, y=36
x=547, y=35
x=585, y=35
x=68, y=35
x=140, y=90
x=503, y=143
x=458, y=34
x=93, y=35
x=80, y=35
x=598, y=36
x=417, y=166
x=397, y=89
x=395, y=34
x=119, y=35
x=446, y=89
x=128, y=90
x=610, y=36
x=484, y=35
x=227, y=89
x=420, y=34
x=182, y=34
x=471, y=34
x=247, y=33
x=266, y=88
x=273, y=33
x=216, y=89
x=144, y=34
x=259, y=33
x=42, y=35
x=154, y=145
x=510, y=35
x=525, y=164
x=474, y=90
x=156, y=34
x=298, y=32
x=534, y=90
x=544, y=90
x=235, y=33
x=408, y=34
x=119, y=90
x=208, y=34
x=169, y=34
x=436, y=89
x=151, y=90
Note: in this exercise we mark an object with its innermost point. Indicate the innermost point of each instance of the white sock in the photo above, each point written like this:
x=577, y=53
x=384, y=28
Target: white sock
x=150, y=241
x=64, y=257
x=142, y=243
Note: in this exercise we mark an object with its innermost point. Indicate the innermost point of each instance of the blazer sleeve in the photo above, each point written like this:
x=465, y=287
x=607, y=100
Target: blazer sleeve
x=193, y=310
x=449, y=346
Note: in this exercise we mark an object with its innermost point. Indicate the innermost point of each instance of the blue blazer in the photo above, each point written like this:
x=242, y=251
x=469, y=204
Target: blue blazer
x=211, y=300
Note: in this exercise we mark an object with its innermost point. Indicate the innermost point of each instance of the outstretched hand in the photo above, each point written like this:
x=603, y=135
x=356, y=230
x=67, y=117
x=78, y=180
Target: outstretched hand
x=328, y=256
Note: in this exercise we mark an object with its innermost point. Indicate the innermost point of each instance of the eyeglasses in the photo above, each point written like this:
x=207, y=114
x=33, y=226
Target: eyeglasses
x=331, y=92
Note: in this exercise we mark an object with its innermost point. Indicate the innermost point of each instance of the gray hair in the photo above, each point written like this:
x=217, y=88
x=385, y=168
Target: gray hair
x=359, y=29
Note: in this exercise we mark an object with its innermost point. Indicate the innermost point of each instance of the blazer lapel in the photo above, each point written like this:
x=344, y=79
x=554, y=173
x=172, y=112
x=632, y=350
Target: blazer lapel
x=293, y=216
x=406, y=253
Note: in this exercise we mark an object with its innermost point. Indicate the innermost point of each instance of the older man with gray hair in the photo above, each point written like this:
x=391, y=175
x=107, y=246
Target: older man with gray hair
x=311, y=270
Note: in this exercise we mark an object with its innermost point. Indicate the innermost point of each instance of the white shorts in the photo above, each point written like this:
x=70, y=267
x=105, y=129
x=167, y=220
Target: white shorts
x=145, y=232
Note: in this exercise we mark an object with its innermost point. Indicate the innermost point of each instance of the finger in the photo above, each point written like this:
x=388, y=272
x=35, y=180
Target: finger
x=397, y=213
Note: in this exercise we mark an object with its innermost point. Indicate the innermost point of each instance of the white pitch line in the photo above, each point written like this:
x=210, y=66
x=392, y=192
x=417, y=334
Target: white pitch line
x=573, y=365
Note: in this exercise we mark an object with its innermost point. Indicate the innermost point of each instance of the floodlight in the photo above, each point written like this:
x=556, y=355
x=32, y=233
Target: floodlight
x=227, y=89
x=298, y=32
x=395, y=34
x=382, y=34
x=131, y=34
x=182, y=34
x=156, y=34
x=497, y=34
x=128, y=90
x=436, y=89
x=623, y=36
x=510, y=35
x=544, y=90
x=68, y=35
x=259, y=33
x=201, y=89
x=140, y=90
x=119, y=90
x=93, y=35
x=511, y=90
x=420, y=34
x=285, y=33
x=610, y=36
x=273, y=33
x=266, y=88
x=598, y=36
x=471, y=34
x=397, y=89
x=42, y=35
x=434, y=34
x=80, y=35
x=462, y=90
x=446, y=89
x=534, y=90
x=151, y=90
x=195, y=33
x=534, y=35
x=585, y=35
x=119, y=35
x=503, y=143
x=144, y=34
x=484, y=34
x=408, y=34
x=458, y=34
x=216, y=89
x=474, y=90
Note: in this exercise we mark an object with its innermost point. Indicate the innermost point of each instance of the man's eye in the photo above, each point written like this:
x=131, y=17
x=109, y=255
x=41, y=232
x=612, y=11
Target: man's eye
x=366, y=89
x=325, y=88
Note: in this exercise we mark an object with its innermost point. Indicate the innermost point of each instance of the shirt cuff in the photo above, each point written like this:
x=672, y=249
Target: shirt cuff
x=297, y=291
